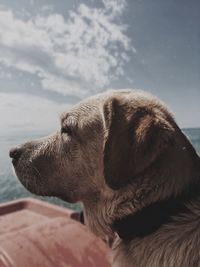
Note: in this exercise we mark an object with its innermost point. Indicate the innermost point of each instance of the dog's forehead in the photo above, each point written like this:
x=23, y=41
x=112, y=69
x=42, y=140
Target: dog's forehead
x=84, y=108
x=93, y=105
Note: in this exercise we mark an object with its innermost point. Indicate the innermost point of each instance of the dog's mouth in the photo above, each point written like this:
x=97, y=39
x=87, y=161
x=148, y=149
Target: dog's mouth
x=33, y=179
x=29, y=177
x=14, y=162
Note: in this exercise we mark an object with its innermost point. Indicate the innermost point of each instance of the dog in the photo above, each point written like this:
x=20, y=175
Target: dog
x=123, y=156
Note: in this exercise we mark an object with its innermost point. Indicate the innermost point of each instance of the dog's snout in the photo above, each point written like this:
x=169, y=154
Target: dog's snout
x=15, y=153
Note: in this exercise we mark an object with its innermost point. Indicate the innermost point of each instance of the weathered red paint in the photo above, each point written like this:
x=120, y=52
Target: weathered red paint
x=34, y=233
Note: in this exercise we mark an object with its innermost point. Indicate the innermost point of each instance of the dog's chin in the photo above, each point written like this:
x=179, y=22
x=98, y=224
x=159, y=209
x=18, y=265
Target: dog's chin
x=35, y=183
x=31, y=186
x=68, y=199
x=31, y=182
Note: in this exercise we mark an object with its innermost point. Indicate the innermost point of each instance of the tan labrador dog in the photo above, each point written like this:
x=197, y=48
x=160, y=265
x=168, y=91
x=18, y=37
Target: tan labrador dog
x=122, y=154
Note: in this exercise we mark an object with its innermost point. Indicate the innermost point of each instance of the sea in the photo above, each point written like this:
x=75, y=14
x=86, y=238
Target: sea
x=10, y=187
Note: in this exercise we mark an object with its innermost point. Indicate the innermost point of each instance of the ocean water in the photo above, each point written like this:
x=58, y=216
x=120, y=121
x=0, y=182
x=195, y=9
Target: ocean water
x=10, y=187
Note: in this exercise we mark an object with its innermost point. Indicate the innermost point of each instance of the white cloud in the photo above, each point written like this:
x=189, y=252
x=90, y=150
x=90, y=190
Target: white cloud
x=115, y=6
x=76, y=55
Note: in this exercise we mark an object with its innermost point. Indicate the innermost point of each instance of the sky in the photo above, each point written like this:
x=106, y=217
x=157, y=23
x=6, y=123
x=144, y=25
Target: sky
x=55, y=53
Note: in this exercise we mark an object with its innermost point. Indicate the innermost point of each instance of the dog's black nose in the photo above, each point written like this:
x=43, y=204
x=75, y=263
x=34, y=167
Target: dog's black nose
x=15, y=153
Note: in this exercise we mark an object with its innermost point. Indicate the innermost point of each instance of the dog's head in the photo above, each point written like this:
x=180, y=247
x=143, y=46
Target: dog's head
x=118, y=146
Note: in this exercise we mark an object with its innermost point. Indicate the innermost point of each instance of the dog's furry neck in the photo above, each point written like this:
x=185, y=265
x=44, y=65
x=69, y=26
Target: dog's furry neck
x=152, y=217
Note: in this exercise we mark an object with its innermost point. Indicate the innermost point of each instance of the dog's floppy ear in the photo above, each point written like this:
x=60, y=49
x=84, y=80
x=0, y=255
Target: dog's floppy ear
x=136, y=136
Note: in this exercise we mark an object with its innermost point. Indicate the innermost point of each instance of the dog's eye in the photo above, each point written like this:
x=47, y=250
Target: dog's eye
x=68, y=125
x=66, y=130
